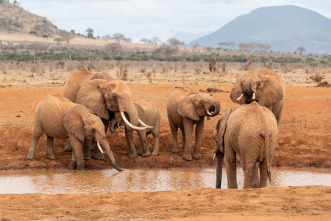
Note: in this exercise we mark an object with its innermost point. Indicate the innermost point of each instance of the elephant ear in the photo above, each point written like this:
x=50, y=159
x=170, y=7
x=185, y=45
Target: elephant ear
x=90, y=96
x=220, y=131
x=272, y=91
x=73, y=123
x=187, y=107
x=236, y=92
x=140, y=110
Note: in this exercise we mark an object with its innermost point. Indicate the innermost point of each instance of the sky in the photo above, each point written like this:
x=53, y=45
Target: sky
x=138, y=19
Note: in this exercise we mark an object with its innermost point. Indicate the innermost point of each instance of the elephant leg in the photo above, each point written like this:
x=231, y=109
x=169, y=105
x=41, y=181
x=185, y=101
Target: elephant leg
x=230, y=165
x=130, y=140
x=49, y=150
x=88, y=146
x=156, y=138
x=248, y=175
x=219, y=164
x=68, y=147
x=198, y=139
x=174, y=130
x=77, y=146
x=73, y=163
x=35, y=137
x=256, y=178
x=183, y=138
x=143, y=144
x=263, y=174
x=188, y=129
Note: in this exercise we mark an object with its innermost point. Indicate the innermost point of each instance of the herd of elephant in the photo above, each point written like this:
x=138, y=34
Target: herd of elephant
x=93, y=103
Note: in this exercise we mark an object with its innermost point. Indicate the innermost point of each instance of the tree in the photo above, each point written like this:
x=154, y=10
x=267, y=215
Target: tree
x=228, y=45
x=156, y=40
x=300, y=50
x=89, y=32
x=146, y=41
x=67, y=36
x=194, y=46
x=106, y=37
x=174, y=42
x=59, y=40
x=111, y=48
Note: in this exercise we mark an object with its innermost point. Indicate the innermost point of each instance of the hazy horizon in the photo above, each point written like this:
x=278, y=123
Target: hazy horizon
x=145, y=19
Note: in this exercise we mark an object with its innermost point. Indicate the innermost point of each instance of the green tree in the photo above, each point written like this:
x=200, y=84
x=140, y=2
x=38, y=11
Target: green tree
x=89, y=32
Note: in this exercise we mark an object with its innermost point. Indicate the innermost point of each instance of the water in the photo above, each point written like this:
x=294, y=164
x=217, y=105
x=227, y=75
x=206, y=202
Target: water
x=142, y=180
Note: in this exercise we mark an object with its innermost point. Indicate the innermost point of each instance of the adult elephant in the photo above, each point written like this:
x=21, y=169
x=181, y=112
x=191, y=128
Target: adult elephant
x=72, y=84
x=266, y=88
x=185, y=109
x=150, y=114
x=250, y=131
x=103, y=96
x=58, y=117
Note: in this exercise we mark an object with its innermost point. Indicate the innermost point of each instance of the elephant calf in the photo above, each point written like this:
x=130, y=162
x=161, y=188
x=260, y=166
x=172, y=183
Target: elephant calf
x=58, y=117
x=185, y=109
x=148, y=113
x=251, y=131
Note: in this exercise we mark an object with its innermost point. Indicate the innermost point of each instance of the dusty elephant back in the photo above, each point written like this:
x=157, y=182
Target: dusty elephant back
x=50, y=113
x=72, y=85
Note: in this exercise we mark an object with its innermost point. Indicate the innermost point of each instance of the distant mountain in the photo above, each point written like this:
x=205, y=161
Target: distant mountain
x=14, y=19
x=187, y=37
x=284, y=28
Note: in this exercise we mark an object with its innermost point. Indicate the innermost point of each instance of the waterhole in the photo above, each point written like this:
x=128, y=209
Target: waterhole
x=142, y=180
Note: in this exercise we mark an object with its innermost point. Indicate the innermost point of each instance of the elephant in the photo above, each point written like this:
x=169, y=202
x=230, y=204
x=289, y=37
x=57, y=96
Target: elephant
x=103, y=96
x=250, y=131
x=58, y=117
x=266, y=88
x=150, y=114
x=186, y=109
x=72, y=85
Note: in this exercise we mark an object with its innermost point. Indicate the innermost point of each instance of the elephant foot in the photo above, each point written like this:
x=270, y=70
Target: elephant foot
x=155, y=153
x=146, y=154
x=87, y=155
x=132, y=155
x=140, y=151
x=197, y=156
x=68, y=147
x=97, y=155
x=72, y=165
x=187, y=157
x=50, y=156
x=80, y=166
x=175, y=150
x=30, y=156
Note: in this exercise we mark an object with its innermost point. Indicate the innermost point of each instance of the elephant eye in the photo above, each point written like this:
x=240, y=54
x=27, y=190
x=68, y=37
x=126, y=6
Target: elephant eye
x=258, y=83
x=93, y=130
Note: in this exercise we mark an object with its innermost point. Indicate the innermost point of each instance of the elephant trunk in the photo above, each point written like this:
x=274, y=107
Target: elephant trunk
x=246, y=87
x=106, y=146
x=219, y=164
x=127, y=105
x=214, y=109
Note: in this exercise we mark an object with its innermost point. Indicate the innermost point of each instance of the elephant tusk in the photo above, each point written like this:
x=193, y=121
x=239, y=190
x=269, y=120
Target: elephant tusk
x=253, y=97
x=239, y=98
x=208, y=112
x=129, y=124
x=98, y=144
x=140, y=121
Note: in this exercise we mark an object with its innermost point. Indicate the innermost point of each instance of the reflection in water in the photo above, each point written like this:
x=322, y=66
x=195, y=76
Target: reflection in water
x=106, y=181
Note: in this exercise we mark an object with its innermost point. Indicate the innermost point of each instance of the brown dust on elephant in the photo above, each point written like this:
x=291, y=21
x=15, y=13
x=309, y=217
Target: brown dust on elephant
x=249, y=131
x=266, y=88
x=186, y=109
x=58, y=117
x=103, y=96
x=148, y=113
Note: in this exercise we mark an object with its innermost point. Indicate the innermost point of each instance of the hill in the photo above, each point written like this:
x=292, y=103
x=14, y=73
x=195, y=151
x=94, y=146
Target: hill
x=14, y=19
x=284, y=28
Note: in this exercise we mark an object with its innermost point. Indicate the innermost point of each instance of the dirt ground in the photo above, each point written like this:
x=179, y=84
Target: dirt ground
x=304, y=138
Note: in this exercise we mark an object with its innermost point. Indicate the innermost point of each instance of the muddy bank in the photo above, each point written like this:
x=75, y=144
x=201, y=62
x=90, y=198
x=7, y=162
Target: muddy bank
x=304, y=132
